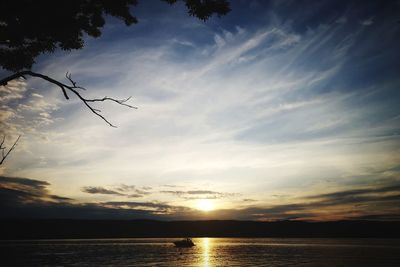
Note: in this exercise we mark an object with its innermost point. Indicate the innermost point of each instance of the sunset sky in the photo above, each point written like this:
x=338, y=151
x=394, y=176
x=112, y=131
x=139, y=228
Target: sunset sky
x=278, y=110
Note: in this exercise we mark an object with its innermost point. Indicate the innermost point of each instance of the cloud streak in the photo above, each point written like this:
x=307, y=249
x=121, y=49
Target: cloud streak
x=121, y=190
x=199, y=194
x=100, y=190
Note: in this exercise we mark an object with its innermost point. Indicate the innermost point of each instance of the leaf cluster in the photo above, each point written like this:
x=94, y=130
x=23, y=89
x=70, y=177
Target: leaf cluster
x=29, y=28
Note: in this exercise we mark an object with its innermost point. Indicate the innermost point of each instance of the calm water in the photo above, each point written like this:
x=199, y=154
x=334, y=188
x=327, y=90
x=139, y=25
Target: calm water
x=207, y=252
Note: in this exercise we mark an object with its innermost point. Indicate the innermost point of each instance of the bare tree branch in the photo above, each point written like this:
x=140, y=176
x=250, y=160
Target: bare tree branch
x=71, y=88
x=5, y=154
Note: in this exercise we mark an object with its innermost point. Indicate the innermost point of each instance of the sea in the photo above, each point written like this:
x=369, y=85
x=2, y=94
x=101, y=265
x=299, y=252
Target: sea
x=207, y=252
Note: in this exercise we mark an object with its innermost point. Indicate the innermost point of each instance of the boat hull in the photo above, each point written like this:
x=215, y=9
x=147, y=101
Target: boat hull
x=183, y=244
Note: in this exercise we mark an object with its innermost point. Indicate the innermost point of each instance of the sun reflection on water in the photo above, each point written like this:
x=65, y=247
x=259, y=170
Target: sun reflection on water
x=206, y=251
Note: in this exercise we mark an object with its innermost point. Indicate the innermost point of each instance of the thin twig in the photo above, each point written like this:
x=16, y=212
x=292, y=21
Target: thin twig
x=72, y=88
x=3, y=149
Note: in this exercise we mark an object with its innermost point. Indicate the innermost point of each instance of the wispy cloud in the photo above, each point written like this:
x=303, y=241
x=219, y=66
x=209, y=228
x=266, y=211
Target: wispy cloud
x=199, y=194
x=367, y=22
x=25, y=112
x=341, y=20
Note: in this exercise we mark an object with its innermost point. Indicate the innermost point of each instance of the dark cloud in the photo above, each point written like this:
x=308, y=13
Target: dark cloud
x=125, y=188
x=29, y=198
x=173, y=192
x=130, y=191
x=156, y=207
x=58, y=198
x=23, y=181
x=352, y=194
x=382, y=202
x=134, y=195
x=100, y=190
x=133, y=190
x=142, y=192
x=367, y=198
x=24, y=190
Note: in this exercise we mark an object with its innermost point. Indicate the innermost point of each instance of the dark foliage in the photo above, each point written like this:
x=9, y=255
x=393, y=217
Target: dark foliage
x=29, y=28
x=204, y=9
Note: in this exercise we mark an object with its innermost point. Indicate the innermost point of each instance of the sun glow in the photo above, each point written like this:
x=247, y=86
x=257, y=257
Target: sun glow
x=205, y=205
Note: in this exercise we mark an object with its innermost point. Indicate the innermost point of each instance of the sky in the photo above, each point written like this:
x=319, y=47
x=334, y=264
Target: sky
x=280, y=110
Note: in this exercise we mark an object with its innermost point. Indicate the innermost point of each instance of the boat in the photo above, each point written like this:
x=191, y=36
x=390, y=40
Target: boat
x=184, y=243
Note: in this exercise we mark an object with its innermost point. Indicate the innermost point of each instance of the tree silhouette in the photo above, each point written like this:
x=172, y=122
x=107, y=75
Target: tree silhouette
x=29, y=28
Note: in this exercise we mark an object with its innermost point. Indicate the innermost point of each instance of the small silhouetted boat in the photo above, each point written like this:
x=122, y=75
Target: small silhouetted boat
x=184, y=243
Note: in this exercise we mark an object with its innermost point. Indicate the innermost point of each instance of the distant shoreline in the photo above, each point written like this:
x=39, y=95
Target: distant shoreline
x=28, y=229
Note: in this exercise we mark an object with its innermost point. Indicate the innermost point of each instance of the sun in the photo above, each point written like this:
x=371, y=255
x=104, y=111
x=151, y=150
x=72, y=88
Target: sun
x=205, y=205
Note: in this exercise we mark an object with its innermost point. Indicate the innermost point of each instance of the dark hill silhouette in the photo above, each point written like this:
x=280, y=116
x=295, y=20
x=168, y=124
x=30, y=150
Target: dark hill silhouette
x=61, y=228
